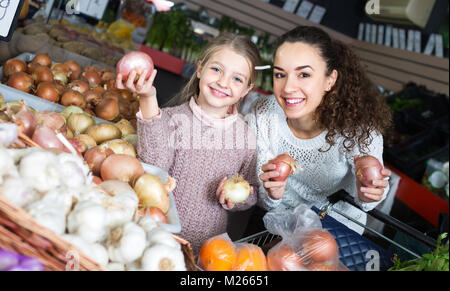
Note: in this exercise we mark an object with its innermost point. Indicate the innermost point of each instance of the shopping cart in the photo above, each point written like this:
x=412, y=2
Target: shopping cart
x=356, y=252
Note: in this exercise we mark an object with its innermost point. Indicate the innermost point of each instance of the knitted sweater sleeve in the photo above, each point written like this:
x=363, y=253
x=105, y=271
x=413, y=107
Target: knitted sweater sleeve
x=258, y=120
x=375, y=149
x=153, y=140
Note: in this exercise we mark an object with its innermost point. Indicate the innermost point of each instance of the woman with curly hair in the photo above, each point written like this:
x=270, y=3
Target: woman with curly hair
x=324, y=112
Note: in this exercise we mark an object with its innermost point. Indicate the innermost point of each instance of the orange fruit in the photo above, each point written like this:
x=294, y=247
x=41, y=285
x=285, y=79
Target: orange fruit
x=217, y=254
x=250, y=258
x=284, y=258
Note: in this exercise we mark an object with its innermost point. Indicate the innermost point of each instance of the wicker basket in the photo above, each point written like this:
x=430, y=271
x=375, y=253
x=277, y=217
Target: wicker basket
x=21, y=234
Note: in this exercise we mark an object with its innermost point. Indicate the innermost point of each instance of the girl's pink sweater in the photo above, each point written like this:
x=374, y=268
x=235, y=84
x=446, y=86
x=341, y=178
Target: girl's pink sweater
x=198, y=151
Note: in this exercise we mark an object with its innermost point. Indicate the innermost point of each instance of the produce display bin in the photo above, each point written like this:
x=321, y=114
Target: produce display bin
x=39, y=104
x=353, y=248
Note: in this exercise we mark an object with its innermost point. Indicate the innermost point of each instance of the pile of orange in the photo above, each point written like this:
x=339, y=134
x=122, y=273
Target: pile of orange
x=219, y=254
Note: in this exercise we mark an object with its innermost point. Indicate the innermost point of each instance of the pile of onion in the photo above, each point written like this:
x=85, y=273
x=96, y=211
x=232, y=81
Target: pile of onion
x=95, y=157
x=237, y=189
x=285, y=166
x=138, y=61
x=368, y=169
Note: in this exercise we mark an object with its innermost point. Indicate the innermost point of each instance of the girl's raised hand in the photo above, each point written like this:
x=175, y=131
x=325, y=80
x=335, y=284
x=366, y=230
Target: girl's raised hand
x=144, y=88
x=275, y=189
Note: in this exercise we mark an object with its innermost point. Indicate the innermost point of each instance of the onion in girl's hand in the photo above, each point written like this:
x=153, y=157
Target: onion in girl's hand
x=368, y=169
x=138, y=61
x=237, y=189
x=285, y=166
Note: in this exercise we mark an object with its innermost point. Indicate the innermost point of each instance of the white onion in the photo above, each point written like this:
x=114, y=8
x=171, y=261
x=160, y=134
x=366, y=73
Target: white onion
x=237, y=189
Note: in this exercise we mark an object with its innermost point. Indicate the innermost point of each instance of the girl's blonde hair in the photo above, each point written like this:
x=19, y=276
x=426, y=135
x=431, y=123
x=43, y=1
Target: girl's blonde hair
x=241, y=44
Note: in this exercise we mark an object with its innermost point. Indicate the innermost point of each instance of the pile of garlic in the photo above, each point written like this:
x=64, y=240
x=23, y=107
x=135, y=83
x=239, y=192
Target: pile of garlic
x=57, y=191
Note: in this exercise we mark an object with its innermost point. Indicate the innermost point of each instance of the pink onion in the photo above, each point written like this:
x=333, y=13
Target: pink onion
x=368, y=169
x=52, y=120
x=138, y=61
x=24, y=116
x=46, y=138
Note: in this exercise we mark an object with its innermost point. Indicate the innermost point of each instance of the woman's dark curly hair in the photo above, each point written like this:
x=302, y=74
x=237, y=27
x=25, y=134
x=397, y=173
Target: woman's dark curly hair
x=353, y=108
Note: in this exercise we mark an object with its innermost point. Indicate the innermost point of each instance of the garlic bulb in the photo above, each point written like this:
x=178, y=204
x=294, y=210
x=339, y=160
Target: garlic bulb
x=74, y=172
x=163, y=258
x=18, y=192
x=126, y=243
x=88, y=221
x=147, y=223
x=92, y=193
x=62, y=198
x=161, y=236
x=96, y=252
x=41, y=170
x=7, y=166
x=134, y=266
x=49, y=216
x=122, y=206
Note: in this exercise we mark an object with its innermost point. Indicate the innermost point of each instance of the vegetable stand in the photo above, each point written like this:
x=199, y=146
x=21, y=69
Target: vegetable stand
x=356, y=252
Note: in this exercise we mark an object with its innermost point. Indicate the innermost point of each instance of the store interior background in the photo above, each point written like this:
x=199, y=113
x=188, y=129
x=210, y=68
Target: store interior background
x=421, y=132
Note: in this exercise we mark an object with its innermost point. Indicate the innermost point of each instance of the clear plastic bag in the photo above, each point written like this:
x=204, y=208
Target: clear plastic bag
x=305, y=245
x=219, y=253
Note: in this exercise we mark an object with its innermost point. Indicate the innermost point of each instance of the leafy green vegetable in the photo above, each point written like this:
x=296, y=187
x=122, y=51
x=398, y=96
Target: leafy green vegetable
x=438, y=260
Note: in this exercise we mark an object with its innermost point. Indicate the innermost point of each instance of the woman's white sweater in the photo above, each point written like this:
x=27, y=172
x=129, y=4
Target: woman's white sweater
x=324, y=173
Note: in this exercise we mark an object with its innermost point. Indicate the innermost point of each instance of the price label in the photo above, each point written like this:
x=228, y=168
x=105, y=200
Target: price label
x=9, y=14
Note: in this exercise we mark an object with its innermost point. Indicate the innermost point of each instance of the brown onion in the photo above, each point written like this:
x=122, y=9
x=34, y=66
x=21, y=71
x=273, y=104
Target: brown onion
x=125, y=108
x=13, y=66
x=21, y=81
x=92, y=77
x=368, y=169
x=120, y=146
x=71, y=97
x=48, y=91
x=42, y=74
x=110, y=94
x=152, y=192
x=95, y=156
x=88, y=140
x=103, y=132
x=127, y=95
x=110, y=85
x=124, y=168
x=125, y=127
x=46, y=138
x=107, y=109
x=61, y=67
x=75, y=75
x=43, y=60
x=107, y=75
x=79, y=86
x=31, y=67
x=92, y=97
x=73, y=66
x=80, y=122
x=60, y=77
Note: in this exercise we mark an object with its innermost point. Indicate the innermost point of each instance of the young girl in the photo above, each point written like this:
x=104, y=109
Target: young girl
x=202, y=141
x=325, y=112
